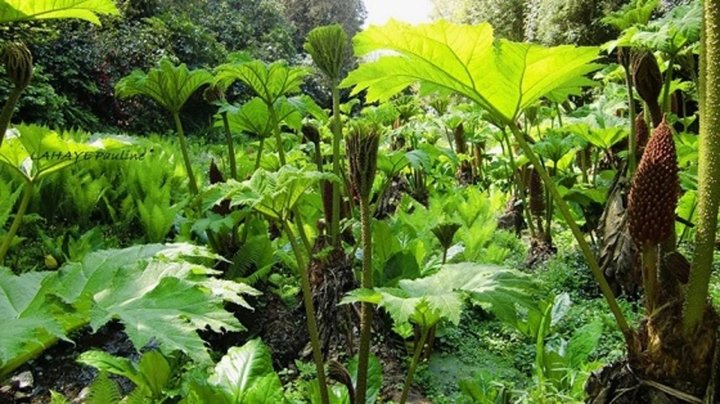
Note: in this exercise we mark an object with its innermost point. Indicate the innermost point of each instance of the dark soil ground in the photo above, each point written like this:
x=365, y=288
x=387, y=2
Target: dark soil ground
x=56, y=369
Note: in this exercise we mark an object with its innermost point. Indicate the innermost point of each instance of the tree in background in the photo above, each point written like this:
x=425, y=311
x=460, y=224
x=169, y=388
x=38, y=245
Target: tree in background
x=76, y=71
x=550, y=22
x=308, y=14
x=507, y=16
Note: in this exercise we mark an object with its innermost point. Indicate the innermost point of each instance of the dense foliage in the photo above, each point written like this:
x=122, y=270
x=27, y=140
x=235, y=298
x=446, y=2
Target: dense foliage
x=462, y=213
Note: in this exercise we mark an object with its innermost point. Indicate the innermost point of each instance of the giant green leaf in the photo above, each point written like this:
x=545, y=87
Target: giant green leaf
x=246, y=374
x=268, y=81
x=273, y=194
x=35, y=151
x=96, y=271
x=25, y=314
x=155, y=291
x=169, y=314
x=24, y=10
x=255, y=118
x=425, y=301
x=167, y=84
x=502, y=76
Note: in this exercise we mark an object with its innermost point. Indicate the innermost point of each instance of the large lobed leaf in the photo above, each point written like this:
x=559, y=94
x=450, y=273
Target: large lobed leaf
x=425, y=301
x=273, y=194
x=268, y=81
x=255, y=118
x=167, y=84
x=502, y=76
x=154, y=290
x=24, y=10
x=23, y=313
x=35, y=151
x=246, y=375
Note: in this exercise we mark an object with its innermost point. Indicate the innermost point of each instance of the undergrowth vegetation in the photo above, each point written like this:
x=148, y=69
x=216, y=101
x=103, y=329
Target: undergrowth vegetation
x=416, y=213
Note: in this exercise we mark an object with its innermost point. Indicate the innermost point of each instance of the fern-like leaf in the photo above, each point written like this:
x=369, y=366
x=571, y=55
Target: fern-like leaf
x=103, y=390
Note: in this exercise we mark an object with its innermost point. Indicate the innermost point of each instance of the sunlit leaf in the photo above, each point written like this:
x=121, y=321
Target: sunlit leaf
x=268, y=81
x=167, y=84
x=25, y=10
x=502, y=76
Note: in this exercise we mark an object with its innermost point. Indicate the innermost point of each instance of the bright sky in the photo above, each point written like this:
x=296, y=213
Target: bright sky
x=412, y=11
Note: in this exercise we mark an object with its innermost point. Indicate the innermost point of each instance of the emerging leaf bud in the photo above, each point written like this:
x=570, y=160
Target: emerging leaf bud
x=623, y=56
x=654, y=192
x=362, y=144
x=18, y=63
x=648, y=81
x=445, y=233
x=647, y=77
x=311, y=133
x=213, y=94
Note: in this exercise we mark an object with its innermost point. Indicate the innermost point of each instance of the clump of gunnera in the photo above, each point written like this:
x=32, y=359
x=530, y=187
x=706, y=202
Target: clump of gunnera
x=654, y=191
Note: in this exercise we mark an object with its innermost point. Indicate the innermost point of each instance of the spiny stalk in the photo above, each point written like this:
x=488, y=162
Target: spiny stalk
x=362, y=148
x=708, y=168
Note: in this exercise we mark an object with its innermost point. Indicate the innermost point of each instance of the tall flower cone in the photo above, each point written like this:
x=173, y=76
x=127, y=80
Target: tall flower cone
x=651, y=204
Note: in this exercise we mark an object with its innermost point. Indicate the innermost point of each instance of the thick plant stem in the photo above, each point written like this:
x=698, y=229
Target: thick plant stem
x=413, y=365
x=337, y=134
x=259, y=153
x=7, y=111
x=708, y=168
x=27, y=194
x=283, y=161
x=579, y=237
x=230, y=146
x=278, y=134
x=367, y=308
x=666, y=105
x=632, y=140
x=309, y=314
x=540, y=347
x=650, y=258
x=186, y=156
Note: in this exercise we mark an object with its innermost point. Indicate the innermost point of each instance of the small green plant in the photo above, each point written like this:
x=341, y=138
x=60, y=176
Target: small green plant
x=427, y=301
x=151, y=375
x=244, y=375
x=275, y=195
x=32, y=153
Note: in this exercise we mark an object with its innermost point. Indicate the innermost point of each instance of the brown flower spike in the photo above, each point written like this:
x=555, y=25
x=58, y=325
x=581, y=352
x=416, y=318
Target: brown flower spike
x=537, y=194
x=654, y=191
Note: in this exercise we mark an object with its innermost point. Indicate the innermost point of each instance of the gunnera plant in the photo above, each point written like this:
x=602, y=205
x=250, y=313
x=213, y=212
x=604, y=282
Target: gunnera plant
x=19, y=66
x=362, y=144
